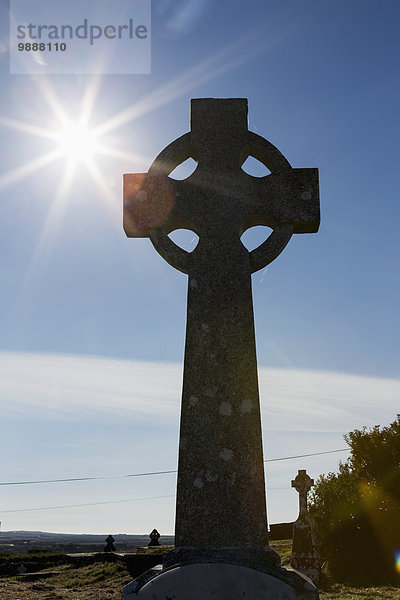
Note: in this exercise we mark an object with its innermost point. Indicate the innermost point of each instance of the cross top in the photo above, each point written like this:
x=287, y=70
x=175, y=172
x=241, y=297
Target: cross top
x=219, y=201
x=302, y=482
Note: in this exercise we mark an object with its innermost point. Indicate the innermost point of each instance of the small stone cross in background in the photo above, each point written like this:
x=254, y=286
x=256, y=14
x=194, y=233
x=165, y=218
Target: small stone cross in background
x=302, y=484
x=110, y=544
x=305, y=557
x=154, y=537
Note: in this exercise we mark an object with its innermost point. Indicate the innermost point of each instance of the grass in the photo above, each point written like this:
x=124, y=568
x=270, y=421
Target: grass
x=342, y=592
x=71, y=577
x=150, y=550
x=284, y=549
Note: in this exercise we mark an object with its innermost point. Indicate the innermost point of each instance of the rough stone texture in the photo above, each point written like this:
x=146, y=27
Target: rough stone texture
x=261, y=559
x=305, y=556
x=216, y=581
x=220, y=491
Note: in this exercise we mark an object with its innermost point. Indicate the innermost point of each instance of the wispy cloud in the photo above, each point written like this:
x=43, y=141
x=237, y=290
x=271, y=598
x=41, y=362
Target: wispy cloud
x=52, y=386
x=69, y=386
x=326, y=400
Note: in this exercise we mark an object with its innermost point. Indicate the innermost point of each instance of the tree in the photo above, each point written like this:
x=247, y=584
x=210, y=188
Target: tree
x=357, y=510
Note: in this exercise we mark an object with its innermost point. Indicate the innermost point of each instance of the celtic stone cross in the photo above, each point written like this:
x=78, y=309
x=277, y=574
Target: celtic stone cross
x=302, y=484
x=305, y=556
x=220, y=489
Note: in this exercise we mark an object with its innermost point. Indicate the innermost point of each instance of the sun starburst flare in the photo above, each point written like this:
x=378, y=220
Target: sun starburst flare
x=79, y=145
x=76, y=140
x=72, y=141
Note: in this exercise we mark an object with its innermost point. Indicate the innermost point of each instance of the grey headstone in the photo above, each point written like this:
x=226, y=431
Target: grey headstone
x=305, y=556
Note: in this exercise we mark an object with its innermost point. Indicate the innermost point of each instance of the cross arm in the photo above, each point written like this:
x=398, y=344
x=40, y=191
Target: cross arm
x=153, y=200
x=291, y=198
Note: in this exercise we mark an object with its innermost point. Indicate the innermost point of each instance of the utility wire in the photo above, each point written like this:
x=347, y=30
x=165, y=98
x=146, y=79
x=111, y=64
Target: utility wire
x=84, y=478
x=304, y=455
x=106, y=502
x=153, y=472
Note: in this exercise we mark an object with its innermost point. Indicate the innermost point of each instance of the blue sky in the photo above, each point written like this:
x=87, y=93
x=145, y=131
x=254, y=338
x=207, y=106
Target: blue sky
x=93, y=323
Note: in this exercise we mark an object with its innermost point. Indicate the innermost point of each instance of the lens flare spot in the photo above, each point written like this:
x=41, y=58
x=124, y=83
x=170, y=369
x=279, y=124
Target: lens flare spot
x=397, y=560
x=148, y=200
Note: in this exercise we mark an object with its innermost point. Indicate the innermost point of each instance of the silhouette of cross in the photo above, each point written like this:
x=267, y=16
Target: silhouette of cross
x=303, y=484
x=220, y=490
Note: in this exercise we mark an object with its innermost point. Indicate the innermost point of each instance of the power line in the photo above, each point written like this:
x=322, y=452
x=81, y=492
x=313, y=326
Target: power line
x=304, y=455
x=84, y=478
x=105, y=502
x=70, y=479
x=133, y=475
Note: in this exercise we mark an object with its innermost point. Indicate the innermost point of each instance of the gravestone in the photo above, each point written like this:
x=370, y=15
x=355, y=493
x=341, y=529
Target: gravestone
x=109, y=547
x=305, y=556
x=154, y=538
x=221, y=521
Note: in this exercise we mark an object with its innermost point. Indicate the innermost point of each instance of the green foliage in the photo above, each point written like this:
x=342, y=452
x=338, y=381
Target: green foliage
x=357, y=510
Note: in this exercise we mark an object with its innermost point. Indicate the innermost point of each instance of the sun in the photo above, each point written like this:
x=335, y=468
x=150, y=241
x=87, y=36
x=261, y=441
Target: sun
x=76, y=141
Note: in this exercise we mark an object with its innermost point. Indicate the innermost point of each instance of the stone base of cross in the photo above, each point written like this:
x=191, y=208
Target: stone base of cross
x=221, y=541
